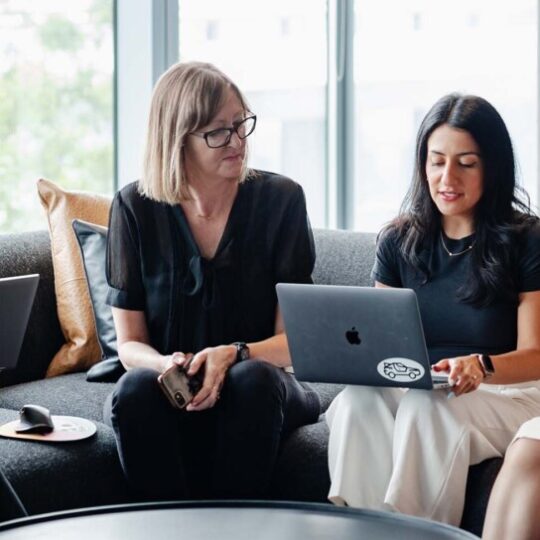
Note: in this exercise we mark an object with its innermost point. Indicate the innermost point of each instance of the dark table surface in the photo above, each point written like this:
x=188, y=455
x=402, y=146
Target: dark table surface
x=237, y=520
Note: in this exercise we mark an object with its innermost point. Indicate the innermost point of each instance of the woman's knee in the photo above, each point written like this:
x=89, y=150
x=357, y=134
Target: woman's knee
x=253, y=379
x=364, y=397
x=435, y=403
x=136, y=386
x=361, y=402
x=523, y=457
x=433, y=410
x=417, y=401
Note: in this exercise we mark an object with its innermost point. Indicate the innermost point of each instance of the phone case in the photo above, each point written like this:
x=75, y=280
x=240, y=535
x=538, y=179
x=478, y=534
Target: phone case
x=176, y=386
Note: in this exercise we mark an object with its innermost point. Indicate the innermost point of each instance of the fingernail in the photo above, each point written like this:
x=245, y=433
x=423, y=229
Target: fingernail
x=450, y=395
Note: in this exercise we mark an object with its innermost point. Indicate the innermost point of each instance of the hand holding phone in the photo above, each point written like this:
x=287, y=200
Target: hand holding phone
x=178, y=387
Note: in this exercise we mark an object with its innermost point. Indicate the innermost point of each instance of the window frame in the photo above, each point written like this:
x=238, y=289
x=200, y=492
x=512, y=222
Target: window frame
x=147, y=30
x=146, y=44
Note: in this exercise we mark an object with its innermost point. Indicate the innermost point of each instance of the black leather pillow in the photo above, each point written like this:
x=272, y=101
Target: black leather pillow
x=93, y=243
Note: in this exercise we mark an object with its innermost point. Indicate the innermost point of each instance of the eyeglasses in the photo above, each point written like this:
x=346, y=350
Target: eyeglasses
x=217, y=138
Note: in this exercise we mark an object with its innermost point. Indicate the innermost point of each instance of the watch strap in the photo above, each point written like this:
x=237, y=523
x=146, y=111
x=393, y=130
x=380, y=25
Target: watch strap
x=487, y=365
x=242, y=351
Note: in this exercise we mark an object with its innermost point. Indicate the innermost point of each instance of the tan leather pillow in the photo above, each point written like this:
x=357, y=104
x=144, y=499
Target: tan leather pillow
x=81, y=349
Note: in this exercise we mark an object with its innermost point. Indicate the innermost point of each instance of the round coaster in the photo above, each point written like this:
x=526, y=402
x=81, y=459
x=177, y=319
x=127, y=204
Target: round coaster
x=66, y=429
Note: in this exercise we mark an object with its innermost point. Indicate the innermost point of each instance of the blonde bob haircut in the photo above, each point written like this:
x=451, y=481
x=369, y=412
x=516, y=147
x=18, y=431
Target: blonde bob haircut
x=186, y=98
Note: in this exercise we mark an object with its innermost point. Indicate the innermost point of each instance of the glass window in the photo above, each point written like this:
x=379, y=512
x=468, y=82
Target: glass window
x=409, y=54
x=276, y=52
x=56, y=102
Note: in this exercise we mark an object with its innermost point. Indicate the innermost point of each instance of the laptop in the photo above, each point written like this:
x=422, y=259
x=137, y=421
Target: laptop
x=356, y=335
x=16, y=299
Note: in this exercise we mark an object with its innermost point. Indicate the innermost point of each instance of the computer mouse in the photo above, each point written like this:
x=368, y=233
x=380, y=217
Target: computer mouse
x=34, y=419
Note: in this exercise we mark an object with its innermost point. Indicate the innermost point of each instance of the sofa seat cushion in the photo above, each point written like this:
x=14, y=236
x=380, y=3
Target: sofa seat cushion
x=50, y=477
x=72, y=395
x=69, y=395
x=327, y=392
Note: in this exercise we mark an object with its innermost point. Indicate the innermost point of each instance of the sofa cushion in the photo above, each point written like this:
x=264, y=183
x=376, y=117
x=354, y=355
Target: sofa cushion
x=69, y=395
x=327, y=392
x=81, y=349
x=92, y=240
x=60, y=476
x=479, y=484
x=343, y=257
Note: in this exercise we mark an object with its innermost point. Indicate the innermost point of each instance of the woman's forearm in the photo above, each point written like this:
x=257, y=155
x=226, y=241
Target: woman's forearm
x=135, y=354
x=515, y=367
x=273, y=350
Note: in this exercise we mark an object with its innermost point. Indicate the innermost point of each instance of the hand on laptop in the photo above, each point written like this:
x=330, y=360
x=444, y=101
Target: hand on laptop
x=464, y=373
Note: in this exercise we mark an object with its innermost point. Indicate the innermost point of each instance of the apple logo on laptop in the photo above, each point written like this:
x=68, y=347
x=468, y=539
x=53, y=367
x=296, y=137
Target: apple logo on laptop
x=352, y=336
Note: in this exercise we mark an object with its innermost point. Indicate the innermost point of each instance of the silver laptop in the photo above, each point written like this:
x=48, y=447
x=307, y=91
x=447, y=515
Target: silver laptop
x=356, y=335
x=16, y=299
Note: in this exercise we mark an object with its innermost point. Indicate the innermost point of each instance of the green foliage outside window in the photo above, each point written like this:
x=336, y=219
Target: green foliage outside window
x=56, y=103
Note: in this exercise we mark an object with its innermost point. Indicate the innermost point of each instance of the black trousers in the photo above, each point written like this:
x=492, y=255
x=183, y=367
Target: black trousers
x=228, y=451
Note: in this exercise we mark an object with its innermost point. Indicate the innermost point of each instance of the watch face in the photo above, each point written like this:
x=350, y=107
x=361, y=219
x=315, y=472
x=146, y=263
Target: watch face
x=242, y=351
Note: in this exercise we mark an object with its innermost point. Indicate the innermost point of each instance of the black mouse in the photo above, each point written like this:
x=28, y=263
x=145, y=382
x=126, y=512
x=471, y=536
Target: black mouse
x=34, y=419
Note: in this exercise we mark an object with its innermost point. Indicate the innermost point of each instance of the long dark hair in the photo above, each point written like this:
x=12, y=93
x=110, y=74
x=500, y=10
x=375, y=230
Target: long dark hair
x=501, y=213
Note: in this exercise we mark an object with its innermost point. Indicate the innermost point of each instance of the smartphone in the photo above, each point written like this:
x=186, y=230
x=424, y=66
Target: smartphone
x=176, y=386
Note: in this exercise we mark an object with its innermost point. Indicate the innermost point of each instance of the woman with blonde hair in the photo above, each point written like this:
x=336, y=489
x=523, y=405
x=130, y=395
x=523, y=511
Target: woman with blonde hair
x=195, y=250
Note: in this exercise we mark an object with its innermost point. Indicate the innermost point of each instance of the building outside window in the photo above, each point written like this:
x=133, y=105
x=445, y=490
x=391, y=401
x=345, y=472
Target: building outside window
x=408, y=55
x=277, y=54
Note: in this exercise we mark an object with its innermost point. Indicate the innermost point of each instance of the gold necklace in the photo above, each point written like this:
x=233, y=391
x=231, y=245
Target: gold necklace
x=450, y=254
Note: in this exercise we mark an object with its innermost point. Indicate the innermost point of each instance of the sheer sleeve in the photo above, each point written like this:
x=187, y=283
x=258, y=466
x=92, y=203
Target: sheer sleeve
x=295, y=253
x=123, y=260
x=386, y=267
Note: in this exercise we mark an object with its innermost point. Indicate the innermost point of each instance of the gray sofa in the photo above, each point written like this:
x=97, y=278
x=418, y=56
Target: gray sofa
x=87, y=473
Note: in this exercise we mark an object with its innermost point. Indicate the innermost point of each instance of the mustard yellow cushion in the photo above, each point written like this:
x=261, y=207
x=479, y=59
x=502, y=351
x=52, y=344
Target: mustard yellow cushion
x=81, y=349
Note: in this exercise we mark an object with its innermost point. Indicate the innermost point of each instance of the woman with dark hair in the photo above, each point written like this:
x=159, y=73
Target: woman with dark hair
x=469, y=246
x=195, y=249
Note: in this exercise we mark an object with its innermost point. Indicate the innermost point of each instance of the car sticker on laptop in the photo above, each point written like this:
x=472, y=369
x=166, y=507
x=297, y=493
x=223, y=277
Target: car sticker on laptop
x=400, y=369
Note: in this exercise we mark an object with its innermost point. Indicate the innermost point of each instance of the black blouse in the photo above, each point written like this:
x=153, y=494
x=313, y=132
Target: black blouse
x=154, y=264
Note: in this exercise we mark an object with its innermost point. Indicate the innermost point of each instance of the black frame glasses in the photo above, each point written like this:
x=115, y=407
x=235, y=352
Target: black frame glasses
x=211, y=137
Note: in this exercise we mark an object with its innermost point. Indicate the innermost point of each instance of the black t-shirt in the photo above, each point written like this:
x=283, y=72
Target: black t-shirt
x=154, y=264
x=452, y=327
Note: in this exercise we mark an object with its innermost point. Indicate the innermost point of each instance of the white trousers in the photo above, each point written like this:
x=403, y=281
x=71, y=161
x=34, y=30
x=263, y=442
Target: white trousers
x=410, y=451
